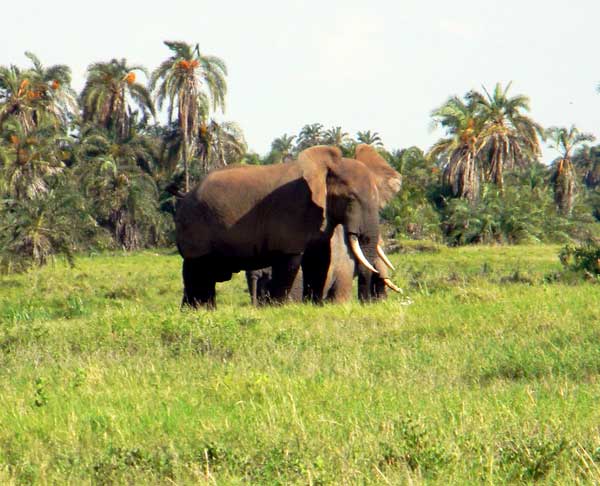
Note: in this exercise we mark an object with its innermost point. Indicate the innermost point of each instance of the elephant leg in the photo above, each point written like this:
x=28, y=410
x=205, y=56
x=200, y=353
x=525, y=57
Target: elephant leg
x=297, y=287
x=364, y=286
x=378, y=289
x=342, y=273
x=341, y=290
x=315, y=268
x=252, y=280
x=198, y=284
x=285, y=272
x=263, y=287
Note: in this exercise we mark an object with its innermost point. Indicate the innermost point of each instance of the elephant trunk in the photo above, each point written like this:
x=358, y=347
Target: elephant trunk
x=366, y=280
x=367, y=274
x=359, y=255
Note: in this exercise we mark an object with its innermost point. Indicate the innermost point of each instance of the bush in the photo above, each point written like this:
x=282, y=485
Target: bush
x=34, y=231
x=518, y=215
x=582, y=259
x=413, y=213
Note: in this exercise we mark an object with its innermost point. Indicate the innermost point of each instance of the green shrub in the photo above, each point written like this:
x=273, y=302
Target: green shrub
x=33, y=231
x=530, y=458
x=582, y=259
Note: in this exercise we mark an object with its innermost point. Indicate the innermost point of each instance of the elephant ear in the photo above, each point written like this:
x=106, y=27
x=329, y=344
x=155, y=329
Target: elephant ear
x=388, y=181
x=317, y=162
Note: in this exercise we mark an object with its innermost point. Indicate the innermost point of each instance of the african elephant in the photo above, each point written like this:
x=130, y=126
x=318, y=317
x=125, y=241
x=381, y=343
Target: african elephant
x=330, y=265
x=250, y=217
x=342, y=270
x=259, y=286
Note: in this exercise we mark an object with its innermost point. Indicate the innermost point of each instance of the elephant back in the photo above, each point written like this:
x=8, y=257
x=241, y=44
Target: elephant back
x=248, y=212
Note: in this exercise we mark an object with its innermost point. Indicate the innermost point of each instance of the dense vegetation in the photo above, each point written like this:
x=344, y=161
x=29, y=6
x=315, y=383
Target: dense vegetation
x=94, y=170
x=89, y=171
x=484, y=372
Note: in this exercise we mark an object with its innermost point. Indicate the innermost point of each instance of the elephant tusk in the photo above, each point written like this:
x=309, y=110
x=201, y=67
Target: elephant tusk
x=384, y=257
x=360, y=256
x=391, y=285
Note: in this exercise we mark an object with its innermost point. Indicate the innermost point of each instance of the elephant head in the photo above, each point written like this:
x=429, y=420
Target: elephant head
x=388, y=182
x=349, y=198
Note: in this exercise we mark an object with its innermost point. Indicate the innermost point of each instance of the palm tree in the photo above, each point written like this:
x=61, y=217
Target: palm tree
x=138, y=149
x=281, y=149
x=587, y=161
x=109, y=94
x=216, y=145
x=178, y=80
x=29, y=159
x=283, y=144
x=507, y=137
x=16, y=97
x=221, y=144
x=33, y=231
x=37, y=95
x=564, y=140
x=533, y=177
x=408, y=159
x=310, y=135
x=124, y=197
x=370, y=138
x=170, y=150
x=53, y=84
x=335, y=136
x=460, y=148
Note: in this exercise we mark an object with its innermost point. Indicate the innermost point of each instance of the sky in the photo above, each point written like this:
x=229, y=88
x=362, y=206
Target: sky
x=363, y=65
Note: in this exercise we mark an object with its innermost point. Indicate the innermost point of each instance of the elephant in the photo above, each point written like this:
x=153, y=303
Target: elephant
x=338, y=284
x=250, y=217
x=333, y=265
x=258, y=285
x=259, y=282
x=330, y=265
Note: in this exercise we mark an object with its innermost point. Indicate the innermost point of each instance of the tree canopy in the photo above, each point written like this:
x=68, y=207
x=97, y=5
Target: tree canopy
x=96, y=169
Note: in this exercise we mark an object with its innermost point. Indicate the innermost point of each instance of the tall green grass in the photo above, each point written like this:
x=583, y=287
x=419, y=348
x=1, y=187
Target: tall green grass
x=485, y=371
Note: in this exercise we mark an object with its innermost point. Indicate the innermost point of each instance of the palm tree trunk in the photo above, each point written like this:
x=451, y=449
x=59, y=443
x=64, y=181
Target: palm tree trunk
x=500, y=176
x=183, y=126
x=185, y=164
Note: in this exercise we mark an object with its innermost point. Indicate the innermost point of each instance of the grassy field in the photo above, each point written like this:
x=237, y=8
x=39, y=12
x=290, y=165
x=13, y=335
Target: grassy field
x=486, y=371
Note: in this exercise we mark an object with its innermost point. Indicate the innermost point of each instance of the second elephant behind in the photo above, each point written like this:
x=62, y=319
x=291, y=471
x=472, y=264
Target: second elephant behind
x=341, y=271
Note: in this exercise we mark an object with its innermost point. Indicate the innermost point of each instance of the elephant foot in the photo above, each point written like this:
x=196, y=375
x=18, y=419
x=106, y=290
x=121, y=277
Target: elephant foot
x=371, y=288
x=338, y=294
x=198, y=285
x=316, y=262
x=285, y=282
x=378, y=288
x=196, y=301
